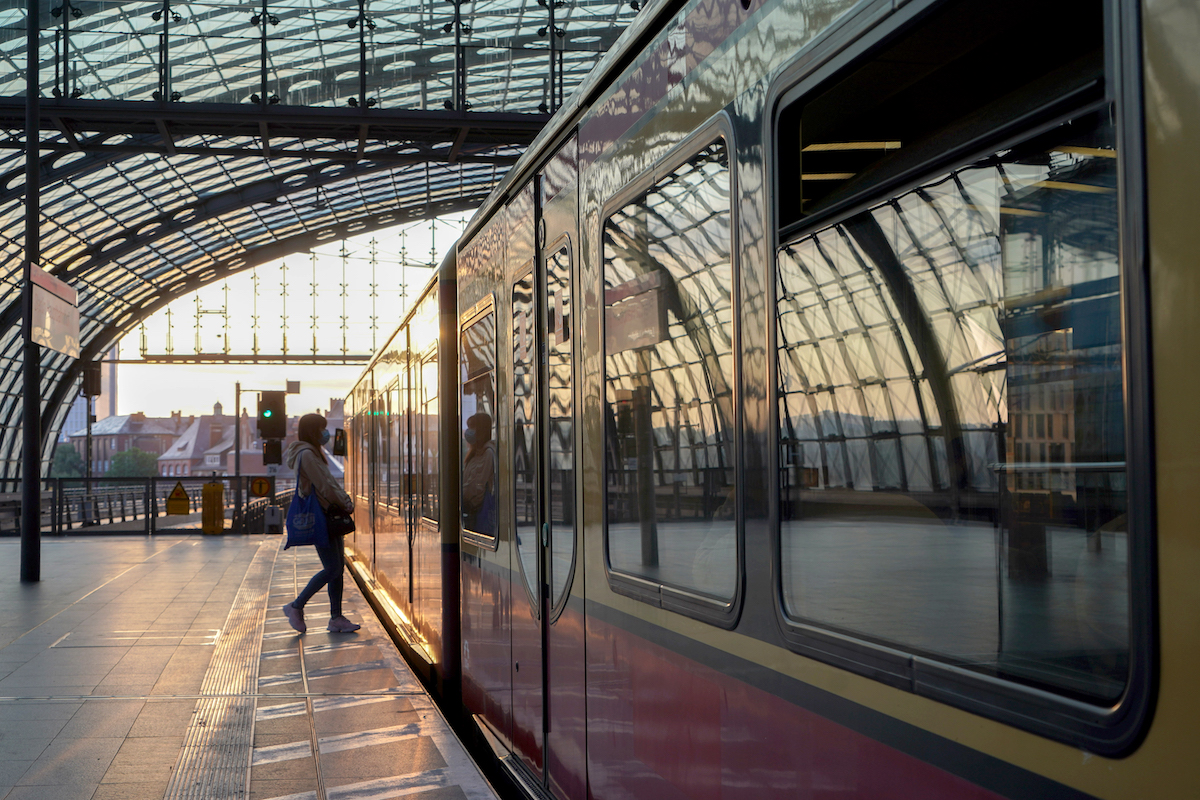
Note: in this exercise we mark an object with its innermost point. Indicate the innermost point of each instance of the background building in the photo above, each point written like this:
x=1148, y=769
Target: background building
x=117, y=434
x=189, y=454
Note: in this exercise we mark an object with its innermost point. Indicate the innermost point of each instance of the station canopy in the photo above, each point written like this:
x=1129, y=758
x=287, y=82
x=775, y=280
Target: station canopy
x=182, y=142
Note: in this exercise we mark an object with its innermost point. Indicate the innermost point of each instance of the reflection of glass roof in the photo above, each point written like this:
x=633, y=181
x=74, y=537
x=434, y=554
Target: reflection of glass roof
x=929, y=319
x=341, y=118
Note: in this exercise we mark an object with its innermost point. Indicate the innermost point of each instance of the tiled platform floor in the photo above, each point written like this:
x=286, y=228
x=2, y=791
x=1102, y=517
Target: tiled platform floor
x=163, y=668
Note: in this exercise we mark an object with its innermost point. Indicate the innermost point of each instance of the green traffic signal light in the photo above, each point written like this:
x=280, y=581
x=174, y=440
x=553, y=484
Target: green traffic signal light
x=272, y=416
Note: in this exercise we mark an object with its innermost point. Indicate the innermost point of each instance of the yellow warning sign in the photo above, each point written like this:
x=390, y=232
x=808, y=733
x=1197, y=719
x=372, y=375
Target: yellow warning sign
x=177, y=500
x=260, y=487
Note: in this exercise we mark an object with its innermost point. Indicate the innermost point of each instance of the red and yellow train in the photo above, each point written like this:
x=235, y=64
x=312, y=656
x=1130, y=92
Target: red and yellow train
x=810, y=413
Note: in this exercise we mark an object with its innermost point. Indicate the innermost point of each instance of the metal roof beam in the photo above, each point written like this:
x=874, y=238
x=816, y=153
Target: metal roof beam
x=207, y=208
x=458, y=143
x=165, y=133
x=255, y=150
x=103, y=339
x=185, y=120
x=67, y=133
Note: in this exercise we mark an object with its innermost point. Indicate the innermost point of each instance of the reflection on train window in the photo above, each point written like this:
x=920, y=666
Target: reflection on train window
x=354, y=468
x=951, y=407
x=559, y=391
x=399, y=443
x=897, y=110
x=479, y=478
x=428, y=433
x=379, y=427
x=525, y=455
x=351, y=461
x=669, y=461
x=362, y=433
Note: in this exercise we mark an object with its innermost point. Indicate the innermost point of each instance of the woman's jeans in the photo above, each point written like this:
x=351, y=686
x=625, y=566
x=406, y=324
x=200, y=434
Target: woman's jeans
x=332, y=559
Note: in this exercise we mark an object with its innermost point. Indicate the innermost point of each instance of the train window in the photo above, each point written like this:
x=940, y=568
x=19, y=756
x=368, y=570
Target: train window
x=399, y=461
x=937, y=91
x=668, y=329
x=363, y=409
x=354, y=462
x=479, y=463
x=560, y=397
x=350, y=461
x=409, y=484
x=361, y=455
x=354, y=458
x=952, y=471
x=380, y=433
x=428, y=426
x=525, y=455
x=364, y=450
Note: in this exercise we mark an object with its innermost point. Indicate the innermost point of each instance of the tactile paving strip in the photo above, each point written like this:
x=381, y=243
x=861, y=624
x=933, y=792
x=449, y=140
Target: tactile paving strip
x=216, y=751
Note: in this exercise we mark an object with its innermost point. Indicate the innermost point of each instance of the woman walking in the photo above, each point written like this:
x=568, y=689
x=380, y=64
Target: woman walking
x=307, y=457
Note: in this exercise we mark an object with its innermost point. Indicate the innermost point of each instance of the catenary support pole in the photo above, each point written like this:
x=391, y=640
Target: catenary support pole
x=31, y=444
x=237, y=457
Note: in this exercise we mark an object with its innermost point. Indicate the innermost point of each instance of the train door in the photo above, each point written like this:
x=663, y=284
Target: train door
x=405, y=503
x=374, y=453
x=527, y=612
x=547, y=643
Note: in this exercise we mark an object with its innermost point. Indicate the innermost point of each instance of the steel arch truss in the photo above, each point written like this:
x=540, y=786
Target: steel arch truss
x=182, y=142
x=134, y=230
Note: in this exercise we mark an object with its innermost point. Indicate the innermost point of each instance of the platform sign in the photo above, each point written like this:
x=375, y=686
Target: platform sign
x=177, y=500
x=55, y=315
x=260, y=487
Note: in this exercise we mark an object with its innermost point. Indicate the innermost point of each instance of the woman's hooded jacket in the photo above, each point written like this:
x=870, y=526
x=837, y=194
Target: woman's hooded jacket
x=314, y=474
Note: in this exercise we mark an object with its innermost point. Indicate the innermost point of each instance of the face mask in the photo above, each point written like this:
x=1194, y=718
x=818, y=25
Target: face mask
x=325, y=436
x=470, y=436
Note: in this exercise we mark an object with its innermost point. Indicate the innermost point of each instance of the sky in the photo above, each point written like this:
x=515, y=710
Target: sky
x=374, y=270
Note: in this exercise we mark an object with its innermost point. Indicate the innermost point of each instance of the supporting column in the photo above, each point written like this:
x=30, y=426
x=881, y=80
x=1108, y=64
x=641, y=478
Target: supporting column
x=31, y=445
x=263, y=56
x=460, y=61
x=362, y=54
x=551, y=29
x=238, y=521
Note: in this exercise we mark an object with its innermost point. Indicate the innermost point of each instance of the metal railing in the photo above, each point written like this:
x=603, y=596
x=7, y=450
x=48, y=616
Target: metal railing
x=77, y=505
x=254, y=520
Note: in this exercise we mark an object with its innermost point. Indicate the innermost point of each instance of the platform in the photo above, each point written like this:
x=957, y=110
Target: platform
x=162, y=667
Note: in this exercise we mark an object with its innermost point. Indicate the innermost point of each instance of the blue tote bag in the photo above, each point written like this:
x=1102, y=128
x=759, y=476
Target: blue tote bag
x=306, y=522
x=305, y=519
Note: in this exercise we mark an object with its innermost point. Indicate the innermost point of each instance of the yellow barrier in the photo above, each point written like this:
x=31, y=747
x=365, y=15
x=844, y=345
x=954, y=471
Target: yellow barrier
x=212, y=519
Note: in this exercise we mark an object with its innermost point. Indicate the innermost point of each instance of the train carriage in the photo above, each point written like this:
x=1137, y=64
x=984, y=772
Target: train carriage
x=797, y=431
x=405, y=545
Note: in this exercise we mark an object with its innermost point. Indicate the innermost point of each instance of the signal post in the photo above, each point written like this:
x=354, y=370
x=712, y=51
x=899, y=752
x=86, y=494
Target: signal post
x=271, y=420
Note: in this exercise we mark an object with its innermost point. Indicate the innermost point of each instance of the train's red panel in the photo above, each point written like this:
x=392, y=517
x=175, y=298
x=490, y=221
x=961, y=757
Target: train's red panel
x=567, y=739
x=662, y=726
x=486, y=677
x=526, y=680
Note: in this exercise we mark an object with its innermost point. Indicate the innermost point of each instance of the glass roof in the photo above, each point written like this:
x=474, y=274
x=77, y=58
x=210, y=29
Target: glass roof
x=316, y=53
x=144, y=201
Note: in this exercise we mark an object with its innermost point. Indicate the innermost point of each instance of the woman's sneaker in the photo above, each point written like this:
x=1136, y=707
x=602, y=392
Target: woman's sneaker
x=342, y=625
x=295, y=616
